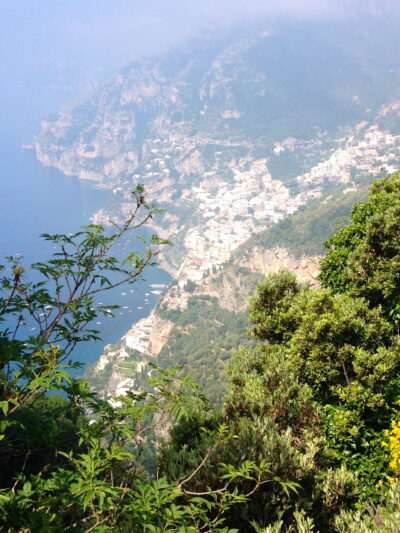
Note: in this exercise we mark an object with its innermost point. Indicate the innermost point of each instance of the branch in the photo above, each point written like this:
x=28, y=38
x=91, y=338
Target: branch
x=98, y=523
x=200, y=466
x=216, y=491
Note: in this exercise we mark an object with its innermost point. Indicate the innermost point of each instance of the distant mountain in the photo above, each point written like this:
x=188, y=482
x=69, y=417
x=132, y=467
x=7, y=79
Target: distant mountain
x=250, y=87
x=232, y=133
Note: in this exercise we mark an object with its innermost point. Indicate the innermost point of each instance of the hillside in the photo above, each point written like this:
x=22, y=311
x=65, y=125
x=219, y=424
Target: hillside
x=266, y=114
x=211, y=323
x=256, y=141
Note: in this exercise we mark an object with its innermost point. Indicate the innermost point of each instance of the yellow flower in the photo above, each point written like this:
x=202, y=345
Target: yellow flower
x=393, y=445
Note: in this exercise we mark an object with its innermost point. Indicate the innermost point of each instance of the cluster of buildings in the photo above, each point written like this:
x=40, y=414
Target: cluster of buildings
x=370, y=151
x=251, y=200
x=228, y=207
x=231, y=213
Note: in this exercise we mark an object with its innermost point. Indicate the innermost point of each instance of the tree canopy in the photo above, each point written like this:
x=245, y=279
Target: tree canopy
x=74, y=462
x=364, y=257
x=308, y=436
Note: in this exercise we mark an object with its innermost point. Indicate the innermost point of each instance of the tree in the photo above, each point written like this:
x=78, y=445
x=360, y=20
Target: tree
x=364, y=256
x=329, y=359
x=73, y=463
x=333, y=352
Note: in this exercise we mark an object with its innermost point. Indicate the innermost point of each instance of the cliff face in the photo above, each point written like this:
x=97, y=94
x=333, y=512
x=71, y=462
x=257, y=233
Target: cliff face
x=232, y=134
x=159, y=333
x=236, y=282
x=268, y=261
x=154, y=338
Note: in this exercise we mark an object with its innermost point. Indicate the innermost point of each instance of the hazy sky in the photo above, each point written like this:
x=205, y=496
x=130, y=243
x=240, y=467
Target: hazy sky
x=36, y=35
x=120, y=30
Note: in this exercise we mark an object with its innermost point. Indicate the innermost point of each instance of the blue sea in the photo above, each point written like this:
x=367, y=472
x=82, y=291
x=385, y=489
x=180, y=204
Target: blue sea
x=36, y=199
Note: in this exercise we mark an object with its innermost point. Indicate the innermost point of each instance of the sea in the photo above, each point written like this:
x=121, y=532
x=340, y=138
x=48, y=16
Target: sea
x=37, y=199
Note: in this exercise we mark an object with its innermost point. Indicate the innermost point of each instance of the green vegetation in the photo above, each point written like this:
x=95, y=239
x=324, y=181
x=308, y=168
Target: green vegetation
x=202, y=340
x=318, y=397
x=369, y=248
x=76, y=462
x=308, y=435
x=305, y=232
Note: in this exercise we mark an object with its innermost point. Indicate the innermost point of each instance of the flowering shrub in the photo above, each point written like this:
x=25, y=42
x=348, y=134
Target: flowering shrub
x=393, y=445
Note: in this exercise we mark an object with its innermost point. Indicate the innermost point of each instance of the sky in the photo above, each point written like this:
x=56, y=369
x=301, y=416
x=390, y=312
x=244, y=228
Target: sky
x=75, y=41
x=54, y=51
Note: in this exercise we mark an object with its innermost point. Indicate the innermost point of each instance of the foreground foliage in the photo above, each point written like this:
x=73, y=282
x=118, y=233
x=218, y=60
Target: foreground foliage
x=307, y=439
x=74, y=462
x=320, y=393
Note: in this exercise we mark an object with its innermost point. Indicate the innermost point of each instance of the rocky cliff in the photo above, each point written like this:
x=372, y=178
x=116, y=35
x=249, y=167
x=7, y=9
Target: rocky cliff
x=233, y=133
x=124, y=365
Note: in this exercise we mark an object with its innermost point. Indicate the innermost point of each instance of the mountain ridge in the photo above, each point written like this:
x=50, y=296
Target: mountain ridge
x=232, y=135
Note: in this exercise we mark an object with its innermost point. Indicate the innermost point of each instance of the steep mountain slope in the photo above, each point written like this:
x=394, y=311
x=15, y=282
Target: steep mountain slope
x=245, y=91
x=232, y=134
x=211, y=323
x=237, y=131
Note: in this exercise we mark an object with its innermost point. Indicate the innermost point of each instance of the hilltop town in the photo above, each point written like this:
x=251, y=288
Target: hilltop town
x=244, y=200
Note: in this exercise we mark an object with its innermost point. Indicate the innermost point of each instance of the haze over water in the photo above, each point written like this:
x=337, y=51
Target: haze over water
x=36, y=200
